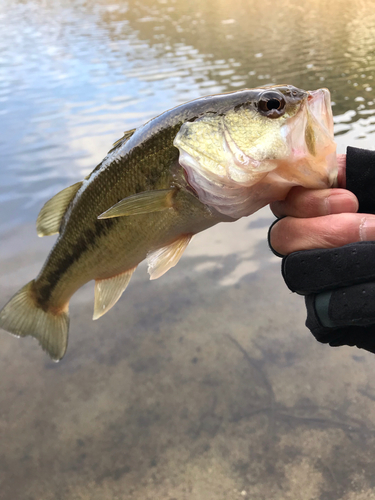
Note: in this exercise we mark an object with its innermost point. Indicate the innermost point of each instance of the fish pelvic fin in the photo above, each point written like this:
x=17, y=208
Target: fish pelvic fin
x=141, y=203
x=161, y=260
x=52, y=213
x=108, y=291
x=21, y=316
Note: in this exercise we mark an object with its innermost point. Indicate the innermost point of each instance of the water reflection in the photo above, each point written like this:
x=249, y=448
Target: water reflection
x=204, y=384
x=77, y=74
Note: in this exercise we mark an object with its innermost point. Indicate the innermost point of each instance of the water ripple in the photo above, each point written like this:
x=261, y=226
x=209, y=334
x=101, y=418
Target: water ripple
x=76, y=74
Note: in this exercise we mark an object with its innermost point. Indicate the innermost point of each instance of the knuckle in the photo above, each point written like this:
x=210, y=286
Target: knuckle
x=341, y=230
x=314, y=205
x=308, y=203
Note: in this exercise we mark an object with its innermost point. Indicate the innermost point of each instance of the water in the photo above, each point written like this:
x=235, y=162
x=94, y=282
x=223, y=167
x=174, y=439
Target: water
x=204, y=384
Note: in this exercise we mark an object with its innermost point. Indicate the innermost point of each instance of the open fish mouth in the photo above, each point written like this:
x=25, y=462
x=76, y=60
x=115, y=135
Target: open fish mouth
x=310, y=132
x=311, y=140
x=319, y=104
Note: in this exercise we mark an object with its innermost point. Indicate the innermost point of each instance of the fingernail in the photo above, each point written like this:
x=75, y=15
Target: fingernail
x=338, y=203
x=367, y=229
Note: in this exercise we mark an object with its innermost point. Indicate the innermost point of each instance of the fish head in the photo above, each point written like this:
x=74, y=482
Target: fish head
x=254, y=151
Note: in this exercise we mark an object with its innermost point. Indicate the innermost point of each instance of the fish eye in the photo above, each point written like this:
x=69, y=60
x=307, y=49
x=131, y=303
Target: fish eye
x=272, y=104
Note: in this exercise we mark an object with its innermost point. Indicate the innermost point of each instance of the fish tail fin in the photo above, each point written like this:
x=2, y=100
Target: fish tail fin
x=22, y=316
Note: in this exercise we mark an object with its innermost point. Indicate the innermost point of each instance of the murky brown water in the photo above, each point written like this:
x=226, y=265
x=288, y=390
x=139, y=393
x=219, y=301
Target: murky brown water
x=203, y=385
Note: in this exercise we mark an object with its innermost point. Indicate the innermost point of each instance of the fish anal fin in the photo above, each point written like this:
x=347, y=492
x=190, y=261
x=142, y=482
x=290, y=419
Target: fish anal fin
x=108, y=291
x=161, y=260
x=50, y=216
x=141, y=203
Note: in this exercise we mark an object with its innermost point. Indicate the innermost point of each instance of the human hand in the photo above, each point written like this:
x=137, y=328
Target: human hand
x=339, y=283
x=324, y=218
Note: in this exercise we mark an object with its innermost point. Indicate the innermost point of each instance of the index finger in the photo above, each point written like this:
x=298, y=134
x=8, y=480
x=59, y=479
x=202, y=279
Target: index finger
x=306, y=203
x=301, y=202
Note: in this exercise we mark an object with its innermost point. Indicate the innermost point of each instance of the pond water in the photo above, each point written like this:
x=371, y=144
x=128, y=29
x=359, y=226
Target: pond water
x=205, y=384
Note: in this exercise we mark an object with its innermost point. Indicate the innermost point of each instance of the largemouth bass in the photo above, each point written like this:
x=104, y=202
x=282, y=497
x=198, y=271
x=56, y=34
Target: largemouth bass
x=214, y=159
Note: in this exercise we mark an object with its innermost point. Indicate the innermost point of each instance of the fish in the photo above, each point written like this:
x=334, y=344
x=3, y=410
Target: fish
x=214, y=159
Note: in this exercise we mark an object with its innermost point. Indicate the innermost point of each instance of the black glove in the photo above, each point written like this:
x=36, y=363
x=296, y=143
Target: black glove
x=339, y=283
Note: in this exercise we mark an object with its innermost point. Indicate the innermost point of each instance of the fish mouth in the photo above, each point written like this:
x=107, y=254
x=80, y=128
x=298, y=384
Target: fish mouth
x=319, y=105
x=320, y=113
x=309, y=135
x=310, y=131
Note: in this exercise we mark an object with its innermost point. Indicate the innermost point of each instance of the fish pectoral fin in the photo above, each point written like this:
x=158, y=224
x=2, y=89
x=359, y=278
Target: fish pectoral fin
x=50, y=217
x=141, y=203
x=108, y=292
x=161, y=260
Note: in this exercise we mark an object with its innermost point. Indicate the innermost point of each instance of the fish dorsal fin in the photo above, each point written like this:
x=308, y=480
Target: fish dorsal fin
x=141, y=203
x=116, y=145
x=50, y=217
x=108, y=291
x=123, y=139
x=160, y=261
